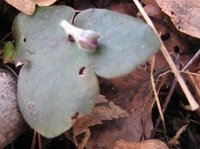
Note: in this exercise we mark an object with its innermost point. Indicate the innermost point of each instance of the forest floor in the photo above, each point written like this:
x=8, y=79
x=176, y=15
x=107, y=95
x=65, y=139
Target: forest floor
x=177, y=22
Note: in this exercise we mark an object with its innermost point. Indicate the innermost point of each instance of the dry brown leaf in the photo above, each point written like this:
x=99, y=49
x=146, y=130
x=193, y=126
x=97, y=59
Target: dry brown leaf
x=185, y=15
x=133, y=93
x=28, y=6
x=126, y=8
x=25, y=6
x=104, y=110
x=150, y=144
x=175, y=42
x=175, y=46
x=152, y=9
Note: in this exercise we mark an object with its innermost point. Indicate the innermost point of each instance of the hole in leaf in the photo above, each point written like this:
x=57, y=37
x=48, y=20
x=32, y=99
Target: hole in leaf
x=172, y=12
x=70, y=38
x=176, y=49
x=165, y=36
x=179, y=27
x=75, y=116
x=82, y=71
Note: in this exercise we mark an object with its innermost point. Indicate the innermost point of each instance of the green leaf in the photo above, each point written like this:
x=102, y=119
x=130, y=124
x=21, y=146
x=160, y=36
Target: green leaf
x=50, y=89
x=125, y=42
x=58, y=78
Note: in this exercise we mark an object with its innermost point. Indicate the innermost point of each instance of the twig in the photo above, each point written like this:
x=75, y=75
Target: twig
x=194, y=105
x=9, y=68
x=174, y=140
x=191, y=73
x=167, y=100
x=34, y=140
x=155, y=93
x=172, y=88
x=39, y=141
x=192, y=60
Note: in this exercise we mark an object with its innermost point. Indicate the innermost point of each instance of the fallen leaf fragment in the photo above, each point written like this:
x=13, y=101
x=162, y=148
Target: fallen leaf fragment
x=104, y=110
x=126, y=8
x=185, y=15
x=152, y=9
x=133, y=93
x=28, y=6
x=148, y=144
x=25, y=6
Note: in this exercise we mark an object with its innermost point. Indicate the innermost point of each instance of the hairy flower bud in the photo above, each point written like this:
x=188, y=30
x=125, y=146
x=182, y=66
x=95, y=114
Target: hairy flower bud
x=86, y=39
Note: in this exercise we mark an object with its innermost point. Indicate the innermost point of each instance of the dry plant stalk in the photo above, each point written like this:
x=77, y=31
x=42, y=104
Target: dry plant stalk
x=156, y=94
x=194, y=105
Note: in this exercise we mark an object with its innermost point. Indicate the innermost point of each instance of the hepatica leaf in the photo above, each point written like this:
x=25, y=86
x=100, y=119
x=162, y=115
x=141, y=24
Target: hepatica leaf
x=125, y=42
x=50, y=87
x=58, y=78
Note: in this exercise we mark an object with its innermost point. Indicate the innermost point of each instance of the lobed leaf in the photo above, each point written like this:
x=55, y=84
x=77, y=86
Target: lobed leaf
x=58, y=78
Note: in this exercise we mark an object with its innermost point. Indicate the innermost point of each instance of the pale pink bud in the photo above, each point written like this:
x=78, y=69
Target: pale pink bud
x=86, y=39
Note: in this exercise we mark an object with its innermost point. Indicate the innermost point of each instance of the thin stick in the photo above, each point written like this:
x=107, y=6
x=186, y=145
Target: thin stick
x=192, y=60
x=39, y=142
x=194, y=105
x=172, y=88
x=191, y=73
x=34, y=140
x=174, y=140
x=155, y=93
x=167, y=100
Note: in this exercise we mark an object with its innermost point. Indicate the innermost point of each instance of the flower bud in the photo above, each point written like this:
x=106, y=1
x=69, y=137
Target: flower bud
x=86, y=39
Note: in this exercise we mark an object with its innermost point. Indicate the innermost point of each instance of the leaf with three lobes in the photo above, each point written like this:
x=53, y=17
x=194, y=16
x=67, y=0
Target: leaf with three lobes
x=58, y=78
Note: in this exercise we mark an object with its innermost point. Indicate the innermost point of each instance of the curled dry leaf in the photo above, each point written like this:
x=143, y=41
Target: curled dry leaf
x=104, y=110
x=150, y=144
x=28, y=6
x=184, y=14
